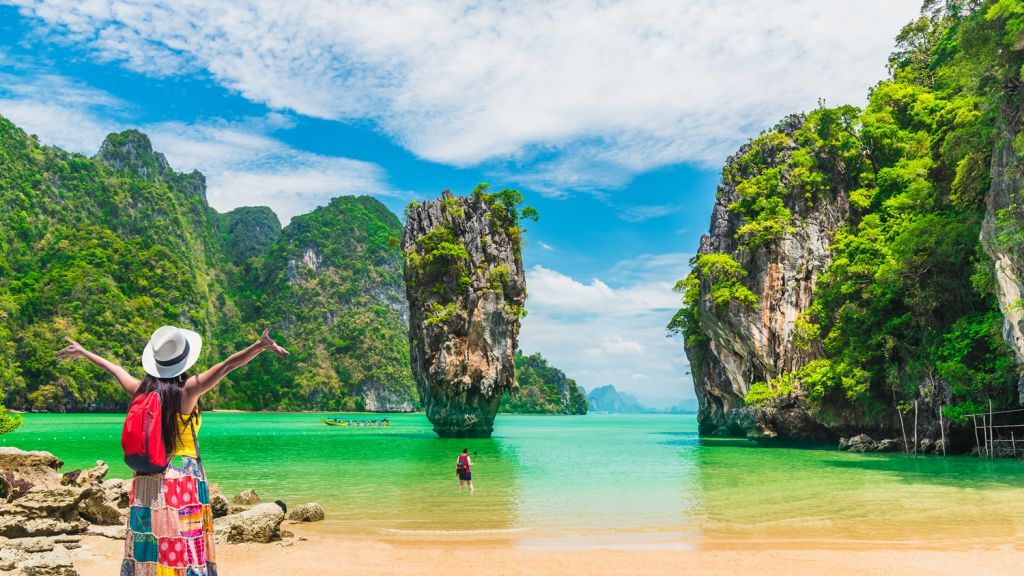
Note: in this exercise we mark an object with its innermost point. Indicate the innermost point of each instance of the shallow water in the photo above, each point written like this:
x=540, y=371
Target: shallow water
x=603, y=479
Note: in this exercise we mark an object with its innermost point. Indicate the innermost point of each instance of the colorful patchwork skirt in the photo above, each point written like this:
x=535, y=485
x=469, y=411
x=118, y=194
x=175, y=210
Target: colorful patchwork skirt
x=170, y=526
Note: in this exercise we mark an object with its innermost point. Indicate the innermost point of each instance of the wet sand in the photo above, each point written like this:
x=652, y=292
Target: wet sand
x=327, y=554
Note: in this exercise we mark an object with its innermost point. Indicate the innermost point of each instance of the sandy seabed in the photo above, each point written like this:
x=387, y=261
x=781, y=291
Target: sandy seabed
x=316, y=553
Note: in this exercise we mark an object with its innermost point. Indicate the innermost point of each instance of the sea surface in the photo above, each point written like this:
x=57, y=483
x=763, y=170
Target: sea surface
x=596, y=480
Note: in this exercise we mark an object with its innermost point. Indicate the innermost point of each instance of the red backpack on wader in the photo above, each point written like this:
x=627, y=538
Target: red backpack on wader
x=142, y=436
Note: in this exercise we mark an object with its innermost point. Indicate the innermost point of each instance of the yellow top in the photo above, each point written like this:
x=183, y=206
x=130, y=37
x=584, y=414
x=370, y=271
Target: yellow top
x=186, y=443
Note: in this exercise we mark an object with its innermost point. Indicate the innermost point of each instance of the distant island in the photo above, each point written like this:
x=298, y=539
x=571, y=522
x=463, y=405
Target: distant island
x=609, y=400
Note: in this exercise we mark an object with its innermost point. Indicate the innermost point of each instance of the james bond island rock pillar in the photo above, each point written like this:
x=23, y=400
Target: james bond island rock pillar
x=466, y=289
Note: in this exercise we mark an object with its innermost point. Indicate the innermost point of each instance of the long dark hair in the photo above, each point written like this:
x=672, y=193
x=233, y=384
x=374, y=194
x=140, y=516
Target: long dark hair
x=169, y=390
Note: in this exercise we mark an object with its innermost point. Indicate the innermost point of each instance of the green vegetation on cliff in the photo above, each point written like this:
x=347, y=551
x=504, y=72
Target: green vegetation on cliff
x=333, y=283
x=106, y=249
x=543, y=389
x=906, y=308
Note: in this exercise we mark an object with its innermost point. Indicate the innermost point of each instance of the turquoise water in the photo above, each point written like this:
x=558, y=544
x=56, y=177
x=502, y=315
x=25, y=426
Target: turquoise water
x=603, y=478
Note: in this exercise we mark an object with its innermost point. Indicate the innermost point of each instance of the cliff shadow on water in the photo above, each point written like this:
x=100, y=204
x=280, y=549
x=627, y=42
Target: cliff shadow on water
x=797, y=494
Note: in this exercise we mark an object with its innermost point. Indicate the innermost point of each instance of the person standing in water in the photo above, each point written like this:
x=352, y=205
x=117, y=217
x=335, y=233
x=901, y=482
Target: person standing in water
x=462, y=470
x=170, y=526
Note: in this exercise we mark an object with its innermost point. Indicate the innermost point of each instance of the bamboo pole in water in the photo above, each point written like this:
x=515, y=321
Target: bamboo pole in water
x=991, y=432
x=977, y=439
x=906, y=447
x=942, y=431
x=915, y=428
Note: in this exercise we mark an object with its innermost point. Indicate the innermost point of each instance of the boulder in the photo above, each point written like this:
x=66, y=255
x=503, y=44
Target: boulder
x=261, y=523
x=860, y=443
x=20, y=471
x=117, y=491
x=113, y=532
x=246, y=498
x=97, y=509
x=219, y=506
x=13, y=526
x=50, y=502
x=887, y=445
x=9, y=558
x=311, y=512
x=56, y=562
x=38, y=543
x=86, y=477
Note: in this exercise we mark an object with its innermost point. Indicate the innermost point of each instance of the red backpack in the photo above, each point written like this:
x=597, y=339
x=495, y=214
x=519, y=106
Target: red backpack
x=142, y=436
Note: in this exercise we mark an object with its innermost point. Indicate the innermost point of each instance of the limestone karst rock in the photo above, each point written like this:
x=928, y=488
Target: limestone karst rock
x=466, y=290
x=746, y=344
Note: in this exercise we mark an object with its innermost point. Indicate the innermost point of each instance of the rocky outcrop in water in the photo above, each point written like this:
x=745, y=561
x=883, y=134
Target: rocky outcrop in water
x=747, y=344
x=466, y=289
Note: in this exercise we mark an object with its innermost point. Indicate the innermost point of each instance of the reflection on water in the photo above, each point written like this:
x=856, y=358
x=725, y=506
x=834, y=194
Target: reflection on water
x=807, y=494
x=601, y=480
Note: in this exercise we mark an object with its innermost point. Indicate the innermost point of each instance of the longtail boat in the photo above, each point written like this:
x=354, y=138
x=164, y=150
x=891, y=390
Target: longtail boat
x=355, y=423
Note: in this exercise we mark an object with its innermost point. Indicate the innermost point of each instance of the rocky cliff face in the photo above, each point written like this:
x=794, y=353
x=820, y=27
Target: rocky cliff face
x=466, y=290
x=1002, y=210
x=747, y=344
x=334, y=284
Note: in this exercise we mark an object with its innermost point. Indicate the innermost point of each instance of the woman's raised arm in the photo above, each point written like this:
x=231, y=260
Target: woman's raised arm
x=196, y=387
x=75, y=350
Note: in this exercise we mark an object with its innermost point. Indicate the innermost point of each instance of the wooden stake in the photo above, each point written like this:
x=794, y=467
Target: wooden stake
x=915, y=428
x=906, y=447
x=991, y=432
x=942, y=431
x=1013, y=443
x=977, y=439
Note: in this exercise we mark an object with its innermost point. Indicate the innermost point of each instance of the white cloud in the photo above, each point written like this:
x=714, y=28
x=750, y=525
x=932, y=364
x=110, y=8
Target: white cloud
x=60, y=111
x=243, y=164
x=246, y=168
x=545, y=246
x=637, y=214
x=585, y=93
x=600, y=333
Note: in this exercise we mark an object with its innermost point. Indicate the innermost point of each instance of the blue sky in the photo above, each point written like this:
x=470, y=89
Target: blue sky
x=612, y=117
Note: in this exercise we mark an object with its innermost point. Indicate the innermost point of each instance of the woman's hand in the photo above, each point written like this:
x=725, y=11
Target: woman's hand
x=267, y=343
x=73, y=351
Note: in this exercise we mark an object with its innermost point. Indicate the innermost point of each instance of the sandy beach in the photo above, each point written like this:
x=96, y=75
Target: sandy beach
x=322, y=554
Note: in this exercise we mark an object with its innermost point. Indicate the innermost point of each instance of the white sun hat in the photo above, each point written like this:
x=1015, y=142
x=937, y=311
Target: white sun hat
x=171, y=351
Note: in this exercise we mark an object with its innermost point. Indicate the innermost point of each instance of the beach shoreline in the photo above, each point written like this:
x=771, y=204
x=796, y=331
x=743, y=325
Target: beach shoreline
x=315, y=552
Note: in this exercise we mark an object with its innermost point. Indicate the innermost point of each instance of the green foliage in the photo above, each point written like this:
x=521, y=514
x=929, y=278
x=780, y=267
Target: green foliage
x=439, y=313
x=441, y=259
x=498, y=276
x=515, y=310
x=452, y=207
x=8, y=421
x=542, y=389
x=107, y=249
x=762, y=394
x=724, y=275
